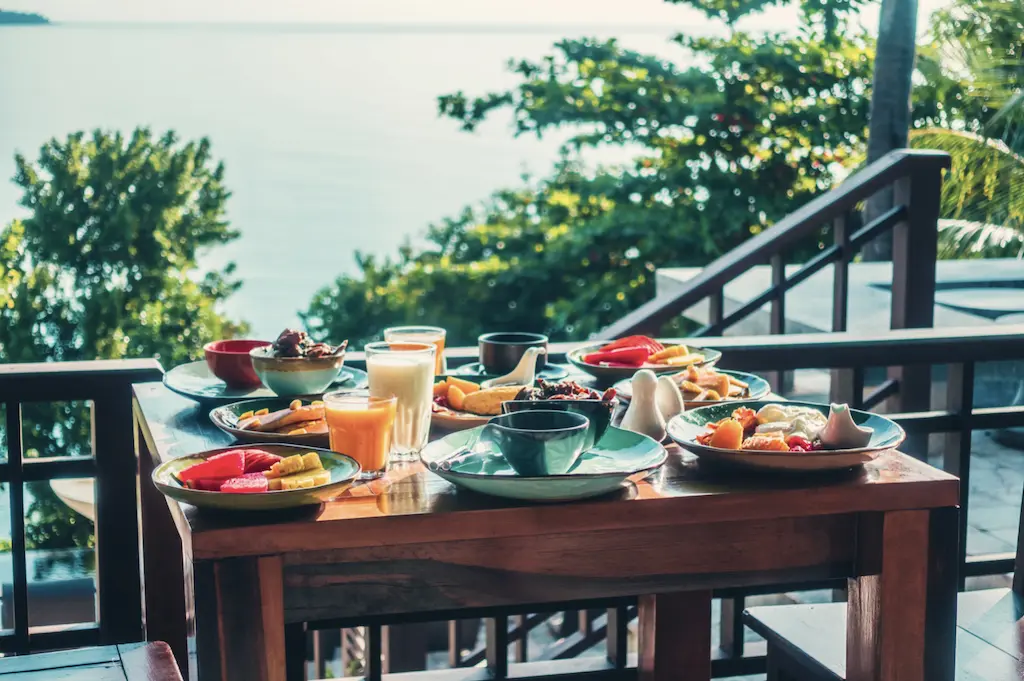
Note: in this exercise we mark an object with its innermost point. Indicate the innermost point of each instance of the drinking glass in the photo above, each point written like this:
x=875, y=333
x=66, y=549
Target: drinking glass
x=421, y=334
x=362, y=427
x=404, y=371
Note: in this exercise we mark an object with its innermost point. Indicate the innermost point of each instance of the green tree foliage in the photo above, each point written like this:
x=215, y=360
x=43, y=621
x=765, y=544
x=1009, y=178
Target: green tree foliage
x=725, y=147
x=105, y=266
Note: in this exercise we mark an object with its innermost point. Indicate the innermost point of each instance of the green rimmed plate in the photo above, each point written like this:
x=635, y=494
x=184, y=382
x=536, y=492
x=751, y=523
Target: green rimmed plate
x=757, y=388
x=609, y=374
x=621, y=455
x=195, y=381
x=344, y=470
x=226, y=418
x=685, y=428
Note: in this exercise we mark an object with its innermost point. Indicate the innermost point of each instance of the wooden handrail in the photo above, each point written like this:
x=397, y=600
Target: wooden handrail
x=820, y=211
x=831, y=350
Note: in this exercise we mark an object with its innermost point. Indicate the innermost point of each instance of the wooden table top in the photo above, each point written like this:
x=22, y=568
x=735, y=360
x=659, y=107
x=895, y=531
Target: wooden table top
x=411, y=505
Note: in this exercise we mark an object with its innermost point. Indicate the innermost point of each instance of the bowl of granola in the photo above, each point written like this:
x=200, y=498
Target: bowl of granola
x=295, y=364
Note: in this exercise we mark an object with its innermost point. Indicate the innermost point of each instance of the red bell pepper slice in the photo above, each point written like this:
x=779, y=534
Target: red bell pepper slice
x=632, y=356
x=226, y=465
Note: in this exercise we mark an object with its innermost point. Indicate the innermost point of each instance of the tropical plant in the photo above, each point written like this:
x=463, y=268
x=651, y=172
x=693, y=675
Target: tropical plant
x=756, y=126
x=971, y=105
x=105, y=266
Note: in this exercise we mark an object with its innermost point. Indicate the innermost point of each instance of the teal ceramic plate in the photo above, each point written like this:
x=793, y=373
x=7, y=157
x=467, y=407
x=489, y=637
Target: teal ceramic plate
x=611, y=374
x=226, y=418
x=757, y=388
x=685, y=428
x=474, y=371
x=621, y=455
x=194, y=381
x=344, y=470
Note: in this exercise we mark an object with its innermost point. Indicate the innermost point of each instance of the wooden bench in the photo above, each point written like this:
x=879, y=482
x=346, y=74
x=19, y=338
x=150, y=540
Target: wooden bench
x=127, y=662
x=808, y=642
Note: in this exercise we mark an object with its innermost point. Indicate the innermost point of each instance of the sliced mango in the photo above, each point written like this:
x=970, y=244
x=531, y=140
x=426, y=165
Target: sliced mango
x=441, y=388
x=467, y=387
x=456, y=398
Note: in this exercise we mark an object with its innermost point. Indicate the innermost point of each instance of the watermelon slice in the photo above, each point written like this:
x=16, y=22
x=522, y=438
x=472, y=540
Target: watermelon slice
x=257, y=460
x=206, y=484
x=250, y=483
x=225, y=465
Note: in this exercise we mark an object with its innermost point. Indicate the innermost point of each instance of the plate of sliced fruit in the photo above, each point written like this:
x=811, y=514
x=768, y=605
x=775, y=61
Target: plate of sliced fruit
x=460, y=403
x=618, y=359
x=791, y=436
x=701, y=386
x=264, y=477
x=276, y=419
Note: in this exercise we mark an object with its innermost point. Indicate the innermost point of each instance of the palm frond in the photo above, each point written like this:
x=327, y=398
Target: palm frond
x=965, y=239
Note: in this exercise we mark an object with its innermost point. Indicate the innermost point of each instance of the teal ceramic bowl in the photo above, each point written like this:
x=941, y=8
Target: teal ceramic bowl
x=536, y=443
x=598, y=412
x=291, y=376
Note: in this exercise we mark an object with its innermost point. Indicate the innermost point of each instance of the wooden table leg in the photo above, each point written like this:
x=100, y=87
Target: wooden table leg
x=675, y=636
x=240, y=619
x=167, y=594
x=901, y=619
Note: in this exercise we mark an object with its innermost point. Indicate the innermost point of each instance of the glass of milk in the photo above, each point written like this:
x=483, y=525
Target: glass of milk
x=404, y=370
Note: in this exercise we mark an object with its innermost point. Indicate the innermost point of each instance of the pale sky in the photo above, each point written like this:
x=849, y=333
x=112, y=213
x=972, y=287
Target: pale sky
x=562, y=12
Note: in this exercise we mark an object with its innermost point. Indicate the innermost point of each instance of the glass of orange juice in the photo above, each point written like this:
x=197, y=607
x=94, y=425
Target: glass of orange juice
x=420, y=334
x=361, y=426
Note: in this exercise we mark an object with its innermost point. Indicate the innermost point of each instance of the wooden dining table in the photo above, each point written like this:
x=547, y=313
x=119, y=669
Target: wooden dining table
x=223, y=590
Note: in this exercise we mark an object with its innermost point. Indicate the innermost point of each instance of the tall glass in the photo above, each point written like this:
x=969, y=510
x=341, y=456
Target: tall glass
x=362, y=427
x=405, y=371
x=420, y=334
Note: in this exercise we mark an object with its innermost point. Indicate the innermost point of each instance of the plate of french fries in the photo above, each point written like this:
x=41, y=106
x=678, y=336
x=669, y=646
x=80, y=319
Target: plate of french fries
x=701, y=386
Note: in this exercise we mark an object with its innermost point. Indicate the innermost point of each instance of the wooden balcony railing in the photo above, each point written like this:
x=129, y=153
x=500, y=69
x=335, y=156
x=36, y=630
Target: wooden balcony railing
x=916, y=178
x=106, y=386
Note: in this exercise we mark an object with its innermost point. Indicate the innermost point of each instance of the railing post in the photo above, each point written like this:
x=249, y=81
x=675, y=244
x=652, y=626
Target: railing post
x=117, y=519
x=914, y=252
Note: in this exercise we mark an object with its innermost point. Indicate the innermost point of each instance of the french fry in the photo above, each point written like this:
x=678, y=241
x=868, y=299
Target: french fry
x=683, y=360
x=668, y=353
x=737, y=382
x=712, y=396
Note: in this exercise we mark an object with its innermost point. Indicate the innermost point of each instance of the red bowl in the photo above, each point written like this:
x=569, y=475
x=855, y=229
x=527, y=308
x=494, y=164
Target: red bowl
x=230, y=362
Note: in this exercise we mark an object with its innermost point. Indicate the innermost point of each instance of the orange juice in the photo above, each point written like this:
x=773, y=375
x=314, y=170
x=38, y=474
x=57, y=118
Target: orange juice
x=361, y=426
x=434, y=335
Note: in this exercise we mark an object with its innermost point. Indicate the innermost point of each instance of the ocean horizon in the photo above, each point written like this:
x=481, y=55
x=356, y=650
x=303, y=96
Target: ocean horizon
x=329, y=133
